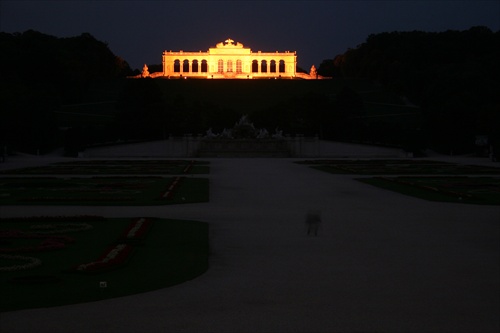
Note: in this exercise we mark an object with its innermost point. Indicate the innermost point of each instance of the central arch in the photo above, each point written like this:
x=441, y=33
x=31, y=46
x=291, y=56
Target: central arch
x=220, y=66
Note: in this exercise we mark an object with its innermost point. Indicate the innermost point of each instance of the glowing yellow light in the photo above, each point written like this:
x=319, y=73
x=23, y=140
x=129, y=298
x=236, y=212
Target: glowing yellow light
x=220, y=62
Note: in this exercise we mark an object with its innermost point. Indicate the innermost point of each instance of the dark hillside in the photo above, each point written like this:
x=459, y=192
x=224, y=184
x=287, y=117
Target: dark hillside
x=340, y=109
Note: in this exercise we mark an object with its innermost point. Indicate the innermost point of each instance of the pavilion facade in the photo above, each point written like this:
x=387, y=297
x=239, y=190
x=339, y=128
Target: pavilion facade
x=228, y=60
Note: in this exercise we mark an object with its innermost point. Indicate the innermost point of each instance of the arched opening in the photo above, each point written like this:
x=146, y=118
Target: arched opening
x=263, y=66
x=238, y=66
x=229, y=66
x=220, y=66
x=177, y=66
x=282, y=66
x=272, y=66
x=195, y=66
x=185, y=66
x=255, y=66
x=204, y=66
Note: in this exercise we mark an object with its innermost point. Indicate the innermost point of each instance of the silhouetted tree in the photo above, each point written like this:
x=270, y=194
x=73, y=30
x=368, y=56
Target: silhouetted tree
x=38, y=74
x=327, y=68
x=450, y=74
x=26, y=118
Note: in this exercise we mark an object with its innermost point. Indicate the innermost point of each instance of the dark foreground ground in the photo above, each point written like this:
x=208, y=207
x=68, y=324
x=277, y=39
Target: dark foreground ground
x=382, y=261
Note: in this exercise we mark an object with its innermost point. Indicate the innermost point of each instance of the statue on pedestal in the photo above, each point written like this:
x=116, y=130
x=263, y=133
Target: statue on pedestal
x=211, y=134
x=145, y=71
x=313, y=72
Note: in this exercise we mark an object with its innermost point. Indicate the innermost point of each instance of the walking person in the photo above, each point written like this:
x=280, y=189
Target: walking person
x=313, y=220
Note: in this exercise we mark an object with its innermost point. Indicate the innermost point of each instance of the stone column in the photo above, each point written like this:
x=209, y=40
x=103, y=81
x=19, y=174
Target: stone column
x=190, y=64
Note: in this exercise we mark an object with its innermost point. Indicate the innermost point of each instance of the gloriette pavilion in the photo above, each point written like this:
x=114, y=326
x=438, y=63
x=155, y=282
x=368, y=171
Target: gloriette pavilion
x=228, y=60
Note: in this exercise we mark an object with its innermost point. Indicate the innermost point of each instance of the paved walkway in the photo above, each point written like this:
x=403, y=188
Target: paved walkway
x=382, y=261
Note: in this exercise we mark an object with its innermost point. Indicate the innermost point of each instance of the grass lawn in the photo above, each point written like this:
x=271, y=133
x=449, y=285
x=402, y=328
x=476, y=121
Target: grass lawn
x=166, y=253
x=398, y=167
x=472, y=190
x=117, y=167
x=107, y=191
x=437, y=181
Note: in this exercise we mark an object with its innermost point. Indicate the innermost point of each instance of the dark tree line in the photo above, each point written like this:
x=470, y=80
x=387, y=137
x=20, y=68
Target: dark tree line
x=38, y=74
x=452, y=76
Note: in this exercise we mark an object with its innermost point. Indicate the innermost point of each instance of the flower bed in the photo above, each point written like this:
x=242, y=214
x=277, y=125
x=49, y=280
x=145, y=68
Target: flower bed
x=52, y=242
x=113, y=256
x=119, y=253
x=169, y=193
x=88, y=218
x=188, y=167
x=182, y=245
x=459, y=189
x=31, y=262
x=91, y=192
x=74, y=199
x=60, y=228
x=427, y=187
x=49, y=235
x=398, y=167
x=136, y=230
x=35, y=279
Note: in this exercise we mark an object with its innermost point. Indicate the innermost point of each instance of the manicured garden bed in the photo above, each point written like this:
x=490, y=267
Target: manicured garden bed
x=398, y=167
x=117, y=167
x=103, y=191
x=99, y=258
x=472, y=190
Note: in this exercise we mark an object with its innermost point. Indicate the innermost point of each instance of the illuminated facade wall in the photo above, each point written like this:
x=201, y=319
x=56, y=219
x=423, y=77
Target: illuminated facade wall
x=229, y=61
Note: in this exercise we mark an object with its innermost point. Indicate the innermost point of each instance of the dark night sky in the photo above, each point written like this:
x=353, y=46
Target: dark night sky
x=139, y=31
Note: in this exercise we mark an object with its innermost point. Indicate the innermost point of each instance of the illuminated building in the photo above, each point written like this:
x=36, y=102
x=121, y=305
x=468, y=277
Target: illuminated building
x=229, y=61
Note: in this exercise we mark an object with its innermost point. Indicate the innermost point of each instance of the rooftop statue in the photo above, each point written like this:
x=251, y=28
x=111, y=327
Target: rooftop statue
x=229, y=43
